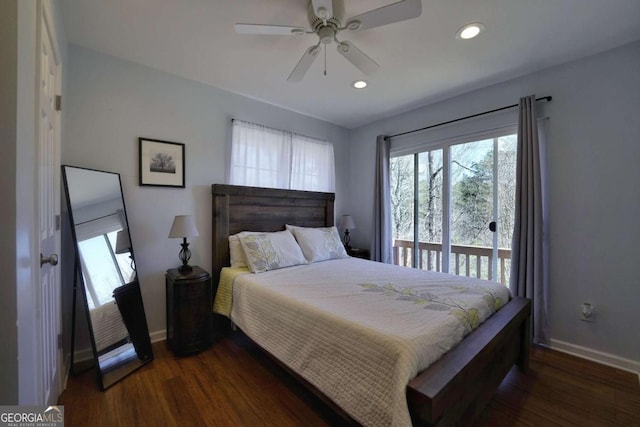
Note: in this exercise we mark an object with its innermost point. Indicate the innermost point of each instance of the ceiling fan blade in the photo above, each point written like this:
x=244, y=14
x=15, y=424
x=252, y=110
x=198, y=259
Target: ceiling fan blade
x=304, y=64
x=271, y=30
x=394, y=12
x=357, y=57
x=323, y=8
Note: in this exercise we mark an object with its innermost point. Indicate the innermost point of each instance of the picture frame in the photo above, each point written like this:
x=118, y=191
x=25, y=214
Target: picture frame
x=161, y=163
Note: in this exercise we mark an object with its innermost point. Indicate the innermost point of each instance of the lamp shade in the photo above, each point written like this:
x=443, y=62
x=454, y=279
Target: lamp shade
x=123, y=244
x=183, y=226
x=348, y=223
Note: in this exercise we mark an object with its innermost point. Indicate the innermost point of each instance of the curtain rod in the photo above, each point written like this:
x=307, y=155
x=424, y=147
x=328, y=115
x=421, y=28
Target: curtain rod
x=544, y=98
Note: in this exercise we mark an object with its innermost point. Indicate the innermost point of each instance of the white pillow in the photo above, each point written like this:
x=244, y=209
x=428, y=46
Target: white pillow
x=236, y=253
x=319, y=244
x=270, y=251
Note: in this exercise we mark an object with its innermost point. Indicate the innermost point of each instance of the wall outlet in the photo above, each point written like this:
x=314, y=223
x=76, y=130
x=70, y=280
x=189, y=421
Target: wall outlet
x=587, y=312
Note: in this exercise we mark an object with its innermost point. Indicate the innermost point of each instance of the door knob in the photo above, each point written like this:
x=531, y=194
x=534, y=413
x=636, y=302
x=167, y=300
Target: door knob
x=53, y=260
x=492, y=226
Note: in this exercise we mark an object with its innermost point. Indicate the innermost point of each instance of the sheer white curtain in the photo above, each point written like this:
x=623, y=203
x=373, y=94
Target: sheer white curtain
x=267, y=157
x=312, y=166
x=260, y=156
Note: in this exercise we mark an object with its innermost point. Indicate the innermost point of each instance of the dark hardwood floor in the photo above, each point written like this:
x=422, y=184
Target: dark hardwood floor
x=235, y=384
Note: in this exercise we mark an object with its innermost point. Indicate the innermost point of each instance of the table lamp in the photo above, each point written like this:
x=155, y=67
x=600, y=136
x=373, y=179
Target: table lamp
x=348, y=224
x=183, y=227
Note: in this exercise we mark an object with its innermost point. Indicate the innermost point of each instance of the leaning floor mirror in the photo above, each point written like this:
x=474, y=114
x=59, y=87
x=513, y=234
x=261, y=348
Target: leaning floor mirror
x=105, y=274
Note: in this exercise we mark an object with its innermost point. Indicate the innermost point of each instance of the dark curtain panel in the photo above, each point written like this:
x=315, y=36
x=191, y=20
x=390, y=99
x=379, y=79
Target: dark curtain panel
x=381, y=250
x=528, y=269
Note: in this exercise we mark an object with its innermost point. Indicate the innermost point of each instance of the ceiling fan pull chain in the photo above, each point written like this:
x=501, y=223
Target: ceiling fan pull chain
x=325, y=60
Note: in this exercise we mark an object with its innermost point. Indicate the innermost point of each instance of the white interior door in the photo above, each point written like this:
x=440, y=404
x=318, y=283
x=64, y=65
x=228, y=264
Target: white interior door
x=48, y=170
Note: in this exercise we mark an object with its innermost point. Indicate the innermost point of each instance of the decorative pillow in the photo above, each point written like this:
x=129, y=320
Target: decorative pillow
x=236, y=253
x=319, y=244
x=270, y=251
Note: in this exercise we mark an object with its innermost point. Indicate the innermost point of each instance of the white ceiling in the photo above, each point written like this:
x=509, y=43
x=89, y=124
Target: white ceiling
x=421, y=60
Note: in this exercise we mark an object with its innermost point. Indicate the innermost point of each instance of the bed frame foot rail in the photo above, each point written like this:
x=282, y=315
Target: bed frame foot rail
x=455, y=389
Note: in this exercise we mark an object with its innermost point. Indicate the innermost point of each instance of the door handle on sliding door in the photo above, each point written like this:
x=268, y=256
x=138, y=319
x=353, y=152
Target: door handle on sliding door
x=53, y=260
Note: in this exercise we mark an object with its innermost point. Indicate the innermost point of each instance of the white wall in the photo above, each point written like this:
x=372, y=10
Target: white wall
x=27, y=238
x=111, y=103
x=8, y=132
x=594, y=143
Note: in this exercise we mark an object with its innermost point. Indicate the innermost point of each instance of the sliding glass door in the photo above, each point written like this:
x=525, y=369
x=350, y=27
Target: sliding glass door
x=453, y=208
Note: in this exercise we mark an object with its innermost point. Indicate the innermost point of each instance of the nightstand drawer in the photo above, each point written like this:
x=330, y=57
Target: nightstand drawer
x=188, y=292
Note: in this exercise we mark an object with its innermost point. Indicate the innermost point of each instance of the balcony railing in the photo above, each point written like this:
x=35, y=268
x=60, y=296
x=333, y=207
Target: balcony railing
x=470, y=261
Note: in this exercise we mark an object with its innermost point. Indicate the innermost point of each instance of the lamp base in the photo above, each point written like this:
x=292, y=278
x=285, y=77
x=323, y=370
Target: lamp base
x=185, y=255
x=347, y=240
x=185, y=269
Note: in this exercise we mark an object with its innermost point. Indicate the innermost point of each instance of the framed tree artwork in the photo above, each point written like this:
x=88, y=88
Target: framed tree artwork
x=162, y=163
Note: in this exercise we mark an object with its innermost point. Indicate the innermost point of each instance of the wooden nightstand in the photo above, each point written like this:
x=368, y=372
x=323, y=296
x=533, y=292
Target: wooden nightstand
x=189, y=299
x=359, y=253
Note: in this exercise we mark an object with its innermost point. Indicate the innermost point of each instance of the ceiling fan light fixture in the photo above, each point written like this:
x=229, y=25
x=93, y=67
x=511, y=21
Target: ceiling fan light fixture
x=327, y=34
x=359, y=84
x=470, y=31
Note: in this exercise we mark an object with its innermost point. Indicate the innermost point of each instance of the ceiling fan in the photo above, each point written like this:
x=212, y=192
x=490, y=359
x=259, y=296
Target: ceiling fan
x=325, y=18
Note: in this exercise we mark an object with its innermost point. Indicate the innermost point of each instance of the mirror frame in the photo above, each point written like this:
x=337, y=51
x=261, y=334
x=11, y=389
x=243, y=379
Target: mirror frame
x=130, y=290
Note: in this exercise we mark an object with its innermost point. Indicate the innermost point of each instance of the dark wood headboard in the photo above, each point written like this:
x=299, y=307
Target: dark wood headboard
x=238, y=208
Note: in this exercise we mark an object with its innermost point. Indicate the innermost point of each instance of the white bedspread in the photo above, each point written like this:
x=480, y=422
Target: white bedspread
x=360, y=330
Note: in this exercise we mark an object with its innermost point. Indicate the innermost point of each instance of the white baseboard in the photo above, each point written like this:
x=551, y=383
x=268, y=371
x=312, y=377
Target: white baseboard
x=596, y=356
x=83, y=355
x=67, y=371
x=158, y=335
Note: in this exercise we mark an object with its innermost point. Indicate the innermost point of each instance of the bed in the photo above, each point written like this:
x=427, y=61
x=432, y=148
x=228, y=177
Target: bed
x=454, y=389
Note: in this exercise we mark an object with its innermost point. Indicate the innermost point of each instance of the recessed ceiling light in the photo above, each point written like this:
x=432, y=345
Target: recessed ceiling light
x=470, y=31
x=359, y=84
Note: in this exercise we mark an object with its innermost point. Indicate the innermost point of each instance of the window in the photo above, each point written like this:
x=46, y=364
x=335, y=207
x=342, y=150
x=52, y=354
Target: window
x=266, y=157
x=445, y=199
x=100, y=277
x=97, y=240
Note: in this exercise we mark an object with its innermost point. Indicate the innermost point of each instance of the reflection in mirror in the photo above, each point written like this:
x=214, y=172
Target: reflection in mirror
x=106, y=266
